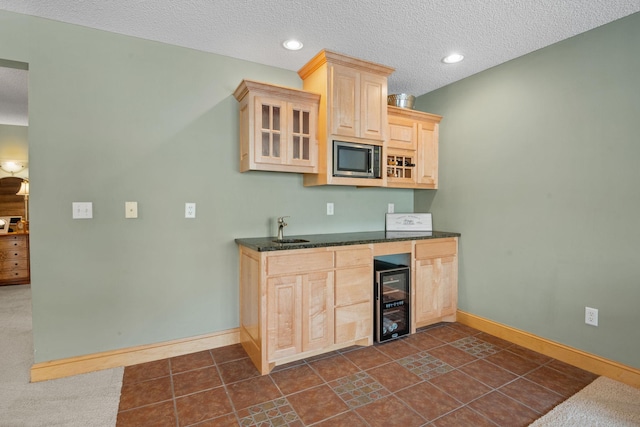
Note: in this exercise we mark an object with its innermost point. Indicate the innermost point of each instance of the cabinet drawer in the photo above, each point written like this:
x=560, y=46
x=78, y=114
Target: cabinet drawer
x=13, y=242
x=353, y=285
x=299, y=263
x=13, y=264
x=402, y=133
x=10, y=255
x=353, y=322
x=14, y=274
x=392, y=248
x=353, y=257
x=436, y=248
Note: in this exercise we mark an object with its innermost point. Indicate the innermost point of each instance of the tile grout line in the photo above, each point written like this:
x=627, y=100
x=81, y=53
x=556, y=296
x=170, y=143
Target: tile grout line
x=226, y=390
x=173, y=394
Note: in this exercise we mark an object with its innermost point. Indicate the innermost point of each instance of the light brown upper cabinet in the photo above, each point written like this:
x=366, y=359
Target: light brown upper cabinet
x=357, y=110
x=278, y=128
x=343, y=99
x=352, y=108
x=412, y=149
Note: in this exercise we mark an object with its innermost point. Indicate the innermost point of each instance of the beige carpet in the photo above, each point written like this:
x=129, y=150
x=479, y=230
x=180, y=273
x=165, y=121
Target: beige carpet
x=83, y=400
x=603, y=403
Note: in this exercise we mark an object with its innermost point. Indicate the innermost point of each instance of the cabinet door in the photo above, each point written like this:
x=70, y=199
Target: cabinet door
x=403, y=133
x=284, y=316
x=270, y=131
x=302, y=148
x=299, y=313
x=353, y=285
x=436, y=289
x=449, y=292
x=428, y=154
x=373, y=107
x=345, y=101
x=317, y=310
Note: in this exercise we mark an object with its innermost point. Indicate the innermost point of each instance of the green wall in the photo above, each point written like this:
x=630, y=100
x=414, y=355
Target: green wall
x=115, y=119
x=540, y=172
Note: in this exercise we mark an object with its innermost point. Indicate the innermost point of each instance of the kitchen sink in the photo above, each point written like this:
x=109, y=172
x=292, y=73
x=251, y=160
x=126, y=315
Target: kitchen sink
x=290, y=241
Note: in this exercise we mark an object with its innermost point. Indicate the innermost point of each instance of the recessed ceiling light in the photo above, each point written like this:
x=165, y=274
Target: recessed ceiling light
x=292, y=44
x=453, y=58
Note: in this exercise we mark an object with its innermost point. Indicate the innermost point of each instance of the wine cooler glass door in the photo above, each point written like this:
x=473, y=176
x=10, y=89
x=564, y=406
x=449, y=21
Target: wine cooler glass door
x=392, y=303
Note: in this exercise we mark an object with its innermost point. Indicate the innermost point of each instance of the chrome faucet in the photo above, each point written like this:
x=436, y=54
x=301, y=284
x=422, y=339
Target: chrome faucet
x=281, y=226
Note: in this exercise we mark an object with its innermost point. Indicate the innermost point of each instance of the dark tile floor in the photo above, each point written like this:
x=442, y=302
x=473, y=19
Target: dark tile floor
x=444, y=375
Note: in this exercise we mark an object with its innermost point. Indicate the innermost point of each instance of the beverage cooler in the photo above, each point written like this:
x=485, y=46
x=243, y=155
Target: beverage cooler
x=392, y=300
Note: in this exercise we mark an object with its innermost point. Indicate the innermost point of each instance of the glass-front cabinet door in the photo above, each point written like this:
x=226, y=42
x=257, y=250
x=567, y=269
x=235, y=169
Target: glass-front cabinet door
x=278, y=128
x=302, y=147
x=270, y=127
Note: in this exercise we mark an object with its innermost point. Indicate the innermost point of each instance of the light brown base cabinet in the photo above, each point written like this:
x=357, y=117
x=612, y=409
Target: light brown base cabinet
x=299, y=303
x=436, y=278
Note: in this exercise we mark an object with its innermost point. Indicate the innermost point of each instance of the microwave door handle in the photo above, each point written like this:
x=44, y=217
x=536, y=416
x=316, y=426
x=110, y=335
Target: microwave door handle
x=370, y=161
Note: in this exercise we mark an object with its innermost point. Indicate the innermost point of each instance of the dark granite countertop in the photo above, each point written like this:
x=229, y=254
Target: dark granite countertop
x=264, y=244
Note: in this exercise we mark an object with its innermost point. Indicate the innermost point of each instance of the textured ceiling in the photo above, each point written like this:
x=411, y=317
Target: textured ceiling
x=411, y=36
x=13, y=97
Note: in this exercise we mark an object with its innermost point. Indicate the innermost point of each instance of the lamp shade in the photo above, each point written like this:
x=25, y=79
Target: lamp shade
x=24, y=189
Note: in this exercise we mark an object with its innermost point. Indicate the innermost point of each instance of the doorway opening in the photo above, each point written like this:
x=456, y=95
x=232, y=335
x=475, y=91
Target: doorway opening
x=14, y=174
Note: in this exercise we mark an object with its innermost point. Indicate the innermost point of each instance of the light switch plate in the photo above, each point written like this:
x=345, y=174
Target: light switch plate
x=82, y=210
x=131, y=209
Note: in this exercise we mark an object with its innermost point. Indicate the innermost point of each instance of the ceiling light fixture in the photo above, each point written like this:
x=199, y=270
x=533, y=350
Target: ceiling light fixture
x=453, y=58
x=292, y=44
x=12, y=166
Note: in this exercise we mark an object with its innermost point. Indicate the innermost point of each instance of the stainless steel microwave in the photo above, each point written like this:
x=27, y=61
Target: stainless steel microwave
x=354, y=160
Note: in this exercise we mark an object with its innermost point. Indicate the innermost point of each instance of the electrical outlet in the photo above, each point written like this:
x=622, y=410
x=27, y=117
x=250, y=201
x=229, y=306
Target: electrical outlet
x=329, y=208
x=189, y=210
x=591, y=316
x=391, y=208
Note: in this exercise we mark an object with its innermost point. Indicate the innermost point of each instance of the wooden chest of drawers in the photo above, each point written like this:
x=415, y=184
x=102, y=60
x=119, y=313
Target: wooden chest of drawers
x=14, y=259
